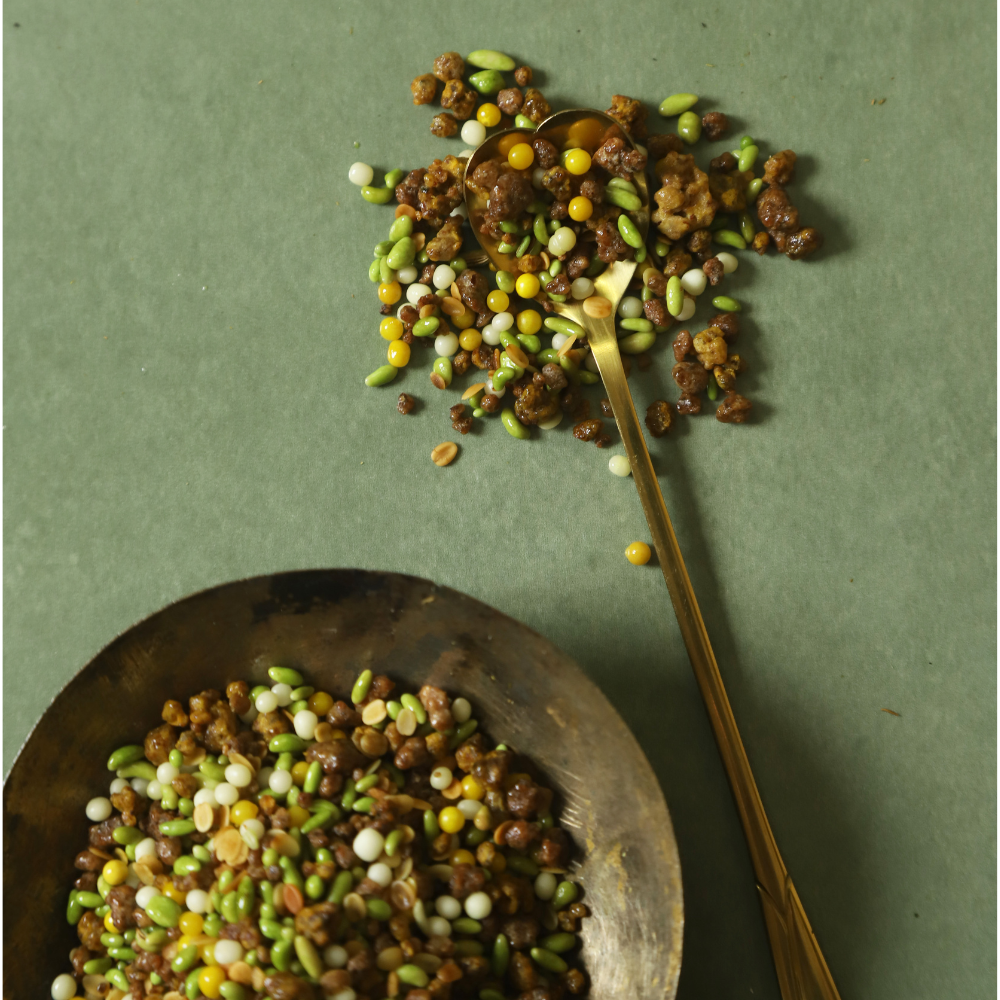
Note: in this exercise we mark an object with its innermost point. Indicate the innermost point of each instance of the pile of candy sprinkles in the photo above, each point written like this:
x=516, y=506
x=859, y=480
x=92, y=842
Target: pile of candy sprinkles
x=274, y=841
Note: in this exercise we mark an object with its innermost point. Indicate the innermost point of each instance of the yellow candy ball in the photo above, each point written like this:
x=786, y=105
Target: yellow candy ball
x=298, y=815
x=177, y=895
x=521, y=156
x=321, y=702
x=191, y=923
x=638, y=553
x=451, y=819
x=529, y=321
x=462, y=857
x=399, y=354
x=580, y=209
x=299, y=772
x=488, y=115
x=389, y=292
x=527, y=286
x=497, y=301
x=392, y=329
x=464, y=320
x=115, y=872
x=577, y=161
x=210, y=980
x=242, y=811
x=469, y=340
x=109, y=924
x=471, y=788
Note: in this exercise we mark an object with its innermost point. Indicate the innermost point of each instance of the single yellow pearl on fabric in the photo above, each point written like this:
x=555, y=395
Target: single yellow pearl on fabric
x=488, y=115
x=399, y=354
x=210, y=981
x=321, y=702
x=242, y=811
x=451, y=820
x=115, y=872
x=638, y=553
x=577, y=161
x=527, y=286
x=581, y=208
x=299, y=772
x=464, y=320
x=471, y=788
x=470, y=339
x=529, y=321
x=392, y=329
x=389, y=292
x=191, y=923
x=497, y=301
x=521, y=156
x=298, y=815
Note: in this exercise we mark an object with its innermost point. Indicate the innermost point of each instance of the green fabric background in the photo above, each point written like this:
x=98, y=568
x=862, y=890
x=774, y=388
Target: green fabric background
x=188, y=320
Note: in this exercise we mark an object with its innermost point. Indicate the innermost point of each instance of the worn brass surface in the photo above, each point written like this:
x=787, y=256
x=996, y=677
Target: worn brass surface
x=802, y=971
x=331, y=624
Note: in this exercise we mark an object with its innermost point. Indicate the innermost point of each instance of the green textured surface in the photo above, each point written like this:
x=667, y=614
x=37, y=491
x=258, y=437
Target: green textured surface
x=188, y=321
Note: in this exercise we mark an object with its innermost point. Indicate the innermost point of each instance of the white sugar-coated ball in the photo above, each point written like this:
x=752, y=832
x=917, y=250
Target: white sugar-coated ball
x=154, y=790
x=728, y=261
x=491, y=335
x=166, y=773
x=558, y=339
x=461, y=710
x=545, y=886
x=582, y=288
x=439, y=927
x=360, y=174
x=198, y=901
x=98, y=810
x=502, y=321
x=239, y=775
x=693, y=282
x=249, y=715
x=145, y=849
x=443, y=276
x=479, y=906
x=448, y=907
x=283, y=692
x=406, y=275
x=562, y=241
x=493, y=390
x=368, y=844
x=139, y=786
x=441, y=777
x=473, y=132
x=63, y=987
x=536, y=178
x=205, y=795
x=688, y=310
x=226, y=951
x=227, y=794
x=469, y=807
x=118, y=784
x=618, y=464
x=416, y=292
x=552, y=423
x=630, y=307
x=446, y=345
x=266, y=702
x=147, y=892
x=335, y=956
x=380, y=874
x=254, y=827
x=280, y=782
x=305, y=723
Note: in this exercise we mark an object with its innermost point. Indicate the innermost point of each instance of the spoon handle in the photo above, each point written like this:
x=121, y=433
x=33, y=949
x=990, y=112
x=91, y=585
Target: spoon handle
x=802, y=970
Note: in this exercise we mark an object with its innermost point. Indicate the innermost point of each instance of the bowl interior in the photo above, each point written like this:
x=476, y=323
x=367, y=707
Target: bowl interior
x=331, y=624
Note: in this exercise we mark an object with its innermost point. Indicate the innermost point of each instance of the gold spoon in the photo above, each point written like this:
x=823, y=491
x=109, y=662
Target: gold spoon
x=802, y=971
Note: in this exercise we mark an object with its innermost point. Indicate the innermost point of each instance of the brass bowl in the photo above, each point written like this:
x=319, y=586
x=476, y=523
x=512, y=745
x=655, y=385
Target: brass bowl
x=331, y=624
